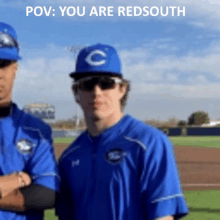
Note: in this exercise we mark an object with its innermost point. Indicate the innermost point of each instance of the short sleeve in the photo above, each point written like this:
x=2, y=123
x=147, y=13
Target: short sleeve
x=42, y=166
x=161, y=193
x=64, y=207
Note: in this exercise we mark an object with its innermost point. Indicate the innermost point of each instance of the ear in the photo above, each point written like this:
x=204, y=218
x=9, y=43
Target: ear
x=15, y=68
x=75, y=93
x=77, y=97
x=123, y=89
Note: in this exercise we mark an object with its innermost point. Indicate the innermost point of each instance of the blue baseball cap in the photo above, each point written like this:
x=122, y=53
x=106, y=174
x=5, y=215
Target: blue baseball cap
x=98, y=59
x=9, y=49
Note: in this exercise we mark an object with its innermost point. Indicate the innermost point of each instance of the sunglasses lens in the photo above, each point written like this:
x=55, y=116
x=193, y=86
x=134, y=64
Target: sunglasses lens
x=103, y=82
x=107, y=83
x=88, y=85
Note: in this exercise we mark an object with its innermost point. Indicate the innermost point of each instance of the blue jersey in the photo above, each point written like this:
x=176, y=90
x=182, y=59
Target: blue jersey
x=26, y=145
x=128, y=172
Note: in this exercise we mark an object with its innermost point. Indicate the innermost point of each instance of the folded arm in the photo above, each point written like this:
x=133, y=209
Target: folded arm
x=165, y=218
x=21, y=195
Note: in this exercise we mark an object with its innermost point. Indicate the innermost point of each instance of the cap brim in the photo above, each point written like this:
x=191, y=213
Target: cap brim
x=8, y=56
x=77, y=75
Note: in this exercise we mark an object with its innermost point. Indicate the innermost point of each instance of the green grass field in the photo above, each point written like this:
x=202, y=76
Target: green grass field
x=212, y=141
x=66, y=140
x=209, y=141
x=204, y=204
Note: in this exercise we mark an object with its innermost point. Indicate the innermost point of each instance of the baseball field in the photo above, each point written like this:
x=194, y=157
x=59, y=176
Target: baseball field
x=198, y=160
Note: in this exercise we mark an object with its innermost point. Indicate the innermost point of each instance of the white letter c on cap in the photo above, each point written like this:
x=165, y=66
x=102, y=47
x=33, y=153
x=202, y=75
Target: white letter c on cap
x=95, y=63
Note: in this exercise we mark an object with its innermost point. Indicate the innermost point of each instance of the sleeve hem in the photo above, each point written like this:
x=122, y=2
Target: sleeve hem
x=46, y=175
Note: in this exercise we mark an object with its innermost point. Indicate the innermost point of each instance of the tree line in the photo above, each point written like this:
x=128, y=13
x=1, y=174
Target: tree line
x=195, y=119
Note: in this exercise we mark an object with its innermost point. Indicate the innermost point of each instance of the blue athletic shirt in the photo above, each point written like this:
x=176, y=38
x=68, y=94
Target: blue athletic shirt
x=128, y=172
x=26, y=145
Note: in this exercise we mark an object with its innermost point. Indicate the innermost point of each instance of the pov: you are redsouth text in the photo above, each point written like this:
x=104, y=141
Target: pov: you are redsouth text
x=107, y=11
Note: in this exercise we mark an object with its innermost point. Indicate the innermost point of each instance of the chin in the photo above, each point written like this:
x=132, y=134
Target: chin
x=2, y=97
x=98, y=115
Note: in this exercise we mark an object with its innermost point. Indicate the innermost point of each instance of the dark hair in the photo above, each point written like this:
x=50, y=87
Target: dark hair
x=124, y=99
x=5, y=63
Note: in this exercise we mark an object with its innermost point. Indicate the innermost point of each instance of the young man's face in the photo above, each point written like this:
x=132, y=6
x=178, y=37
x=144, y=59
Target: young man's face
x=101, y=103
x=7, y=75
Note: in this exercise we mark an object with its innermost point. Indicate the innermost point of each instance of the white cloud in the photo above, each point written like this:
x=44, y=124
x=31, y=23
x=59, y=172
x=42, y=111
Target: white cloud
x=197, y=79
x=47, y=79
x=163, y=46
x=178, y=90
x=148, y=67
x=149, y=75
x=172, y=77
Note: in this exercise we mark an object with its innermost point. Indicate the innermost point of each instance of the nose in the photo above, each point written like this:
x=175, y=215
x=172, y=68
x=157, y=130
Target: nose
x=97, y=90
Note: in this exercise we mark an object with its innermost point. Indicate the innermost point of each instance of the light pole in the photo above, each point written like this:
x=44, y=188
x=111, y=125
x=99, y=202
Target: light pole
x=75, y=50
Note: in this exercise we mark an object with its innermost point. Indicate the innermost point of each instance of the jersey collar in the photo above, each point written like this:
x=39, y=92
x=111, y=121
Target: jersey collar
x=113, y=131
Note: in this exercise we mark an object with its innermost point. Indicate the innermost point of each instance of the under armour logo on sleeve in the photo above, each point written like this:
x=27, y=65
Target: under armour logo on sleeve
x=75, y=163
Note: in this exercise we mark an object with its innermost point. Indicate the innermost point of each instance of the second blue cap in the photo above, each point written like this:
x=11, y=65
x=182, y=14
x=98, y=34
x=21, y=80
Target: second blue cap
x=98, y=59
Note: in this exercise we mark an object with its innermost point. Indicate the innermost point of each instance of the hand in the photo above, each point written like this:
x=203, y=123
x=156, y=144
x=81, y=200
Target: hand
x=14, y=181
x=25, y=179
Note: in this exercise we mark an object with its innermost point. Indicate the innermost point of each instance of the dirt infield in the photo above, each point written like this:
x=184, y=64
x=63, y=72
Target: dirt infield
x=199, y=166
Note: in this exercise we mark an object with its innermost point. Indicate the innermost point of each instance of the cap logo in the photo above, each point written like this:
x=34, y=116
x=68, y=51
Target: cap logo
x=96, y=63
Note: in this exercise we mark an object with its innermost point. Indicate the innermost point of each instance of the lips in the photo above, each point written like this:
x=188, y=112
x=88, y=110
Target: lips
x=96, y=104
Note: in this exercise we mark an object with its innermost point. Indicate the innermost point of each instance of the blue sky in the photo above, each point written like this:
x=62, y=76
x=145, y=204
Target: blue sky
x=172, y=62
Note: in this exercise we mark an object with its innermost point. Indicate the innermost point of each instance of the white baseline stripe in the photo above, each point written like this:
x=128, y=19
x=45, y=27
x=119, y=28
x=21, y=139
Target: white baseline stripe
x=201, y=184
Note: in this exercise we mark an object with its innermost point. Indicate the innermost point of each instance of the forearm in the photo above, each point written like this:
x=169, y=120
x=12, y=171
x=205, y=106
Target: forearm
x=32, y=197
x=14, y=181
x=166, y=218
x=14, y=201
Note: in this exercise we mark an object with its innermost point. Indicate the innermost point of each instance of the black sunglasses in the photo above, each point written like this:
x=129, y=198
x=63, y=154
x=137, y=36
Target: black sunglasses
x=7, y=41
x=88, y=83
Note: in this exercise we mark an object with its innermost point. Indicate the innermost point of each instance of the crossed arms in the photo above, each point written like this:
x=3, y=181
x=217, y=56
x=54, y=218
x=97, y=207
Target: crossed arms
x=16, y=190
x=19, y=194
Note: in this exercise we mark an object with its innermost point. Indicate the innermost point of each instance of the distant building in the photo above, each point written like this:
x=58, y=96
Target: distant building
x=41, y=110
x=211, y=124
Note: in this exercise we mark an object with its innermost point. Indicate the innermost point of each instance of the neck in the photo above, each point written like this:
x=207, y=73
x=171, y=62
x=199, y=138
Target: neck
x=5, y=104
x=6, y=101
x=5, y=110
x=96, y=126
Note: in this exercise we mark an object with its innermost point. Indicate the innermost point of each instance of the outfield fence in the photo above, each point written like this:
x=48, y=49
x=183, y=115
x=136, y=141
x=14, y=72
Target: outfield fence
x=186, y=131
x=58, y=133
x=192, y=131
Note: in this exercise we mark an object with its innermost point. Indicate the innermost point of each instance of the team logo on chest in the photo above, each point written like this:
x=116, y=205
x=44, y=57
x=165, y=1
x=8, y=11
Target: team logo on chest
x=115, y=155
x=25, y=146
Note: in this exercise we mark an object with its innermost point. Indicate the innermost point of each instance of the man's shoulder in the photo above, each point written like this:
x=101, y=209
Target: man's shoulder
x=142, y=133
x=33, y=124
x=138, y=128
x=73, y=146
